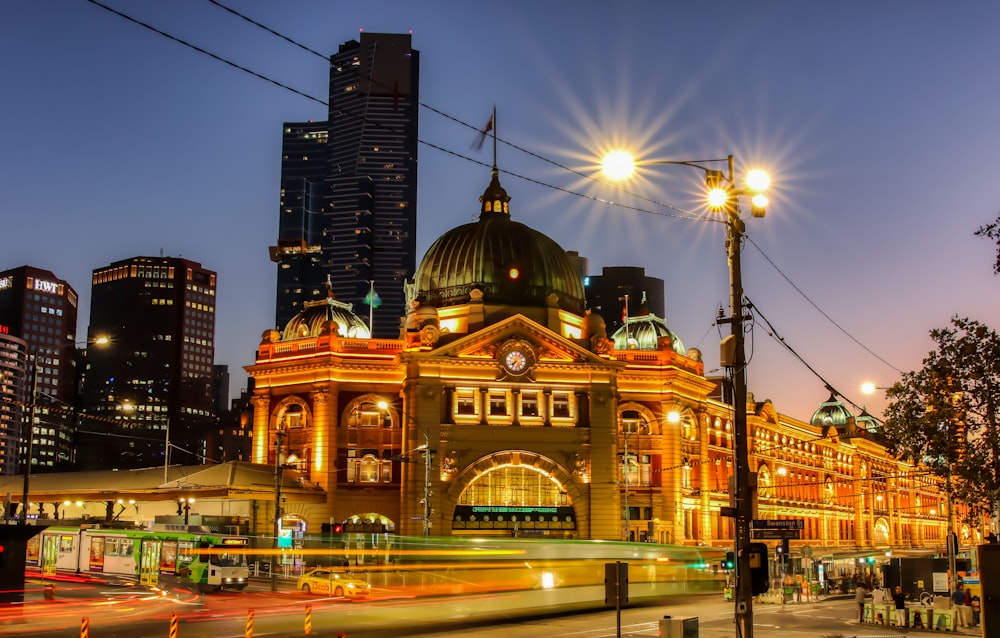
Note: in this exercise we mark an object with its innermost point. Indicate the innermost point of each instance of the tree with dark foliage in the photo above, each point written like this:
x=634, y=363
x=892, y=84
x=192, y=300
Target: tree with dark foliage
x=945, y=414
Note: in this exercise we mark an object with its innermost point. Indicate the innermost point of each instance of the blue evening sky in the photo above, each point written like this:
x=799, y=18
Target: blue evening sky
x=876, y=119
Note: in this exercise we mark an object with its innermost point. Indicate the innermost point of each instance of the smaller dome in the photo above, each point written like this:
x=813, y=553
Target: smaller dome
x=646, y=332
x=328, y=313
x=833, y=413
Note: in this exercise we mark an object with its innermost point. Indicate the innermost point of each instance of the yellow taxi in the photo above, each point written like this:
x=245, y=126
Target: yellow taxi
x=327, y=582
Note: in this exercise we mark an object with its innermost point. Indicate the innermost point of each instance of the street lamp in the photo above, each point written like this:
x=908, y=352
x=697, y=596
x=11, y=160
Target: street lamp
x=278, y=467
x=723, y=195
x=427, y=453
x=630, y=429
x=184, y=506
x=35, y=351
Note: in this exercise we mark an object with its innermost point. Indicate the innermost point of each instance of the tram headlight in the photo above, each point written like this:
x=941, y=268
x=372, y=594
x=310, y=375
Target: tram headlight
x=548, y=580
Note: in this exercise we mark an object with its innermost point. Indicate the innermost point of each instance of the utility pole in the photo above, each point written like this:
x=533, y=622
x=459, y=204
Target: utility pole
x=278, y=467
x=744, y=496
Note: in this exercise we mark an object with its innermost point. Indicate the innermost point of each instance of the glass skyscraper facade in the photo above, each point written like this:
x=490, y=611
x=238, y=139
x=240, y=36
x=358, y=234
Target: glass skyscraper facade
x=349, y=188
x=154, y=382
x=41, y=309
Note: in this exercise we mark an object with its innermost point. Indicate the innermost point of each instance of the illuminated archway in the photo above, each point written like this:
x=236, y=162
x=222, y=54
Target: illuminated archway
x=516, y=491
x=880, y=534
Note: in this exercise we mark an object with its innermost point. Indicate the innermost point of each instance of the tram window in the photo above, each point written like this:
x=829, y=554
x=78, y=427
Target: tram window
x=126, y=548
x=65, y=544
x=111, y=547
x=184, y=552
x=168, y=556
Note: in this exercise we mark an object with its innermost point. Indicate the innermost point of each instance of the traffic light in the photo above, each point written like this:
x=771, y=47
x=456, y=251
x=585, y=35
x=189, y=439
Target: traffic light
x=758, y=569
x=730, y=561
x=953, y=543
x=337, y=529
x=3, y=556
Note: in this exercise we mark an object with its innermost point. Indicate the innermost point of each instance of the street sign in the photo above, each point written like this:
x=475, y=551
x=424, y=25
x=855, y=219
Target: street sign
x=788, y=523
x=772, y=534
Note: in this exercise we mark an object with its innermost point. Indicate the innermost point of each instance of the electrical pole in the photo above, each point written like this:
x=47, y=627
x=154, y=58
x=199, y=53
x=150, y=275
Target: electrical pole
x=278, y=466
x=744, y=496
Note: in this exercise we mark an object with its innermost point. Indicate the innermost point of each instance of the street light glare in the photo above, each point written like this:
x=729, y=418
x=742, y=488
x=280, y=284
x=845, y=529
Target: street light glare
x=618, y=165
x=868, y=387
x=717, y=198
x=758, y=181
x=759, y=201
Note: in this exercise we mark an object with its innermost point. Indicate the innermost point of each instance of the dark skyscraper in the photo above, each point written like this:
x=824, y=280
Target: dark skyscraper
x=606, y=294
x=40, y=309
x=349, y=187
x=155, y=379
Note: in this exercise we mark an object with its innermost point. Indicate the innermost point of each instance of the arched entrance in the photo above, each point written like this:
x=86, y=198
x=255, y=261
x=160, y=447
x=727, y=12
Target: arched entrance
x=515, y=493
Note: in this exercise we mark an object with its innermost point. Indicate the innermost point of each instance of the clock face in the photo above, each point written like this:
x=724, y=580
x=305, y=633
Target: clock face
x=515, y=361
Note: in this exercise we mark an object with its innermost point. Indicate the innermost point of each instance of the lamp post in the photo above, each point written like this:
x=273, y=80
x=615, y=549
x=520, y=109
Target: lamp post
x=723, y=195
x=184, y=505
x=627, y=469
x=278, y=467
x=427, y=483
x=427, y=453
x=35, y=351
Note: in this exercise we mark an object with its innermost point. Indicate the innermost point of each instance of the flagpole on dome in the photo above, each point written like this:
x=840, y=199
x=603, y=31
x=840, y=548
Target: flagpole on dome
x=493, y=120
x=371, y=306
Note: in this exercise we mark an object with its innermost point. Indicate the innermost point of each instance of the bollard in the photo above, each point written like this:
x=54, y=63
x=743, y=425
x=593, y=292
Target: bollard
x=173, y=625
x=249, y=629
x=49, y=591
x=309, y=620
x=85, y=628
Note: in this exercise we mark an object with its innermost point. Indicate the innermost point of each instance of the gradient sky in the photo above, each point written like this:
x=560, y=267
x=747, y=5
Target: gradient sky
x=877, y=121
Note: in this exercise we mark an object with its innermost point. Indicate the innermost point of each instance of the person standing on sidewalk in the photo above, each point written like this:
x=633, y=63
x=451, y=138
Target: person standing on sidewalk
x=958, y=604
x=900, y=600
x=860, y=591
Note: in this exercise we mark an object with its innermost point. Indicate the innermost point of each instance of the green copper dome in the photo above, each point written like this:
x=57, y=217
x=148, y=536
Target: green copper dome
x=644, y=332
x=833, y=413
x=510, y=263
x=317, y=316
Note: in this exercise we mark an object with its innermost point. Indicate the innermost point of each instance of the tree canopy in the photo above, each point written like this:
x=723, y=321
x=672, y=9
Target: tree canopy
x=992, y=231
x=944, y=415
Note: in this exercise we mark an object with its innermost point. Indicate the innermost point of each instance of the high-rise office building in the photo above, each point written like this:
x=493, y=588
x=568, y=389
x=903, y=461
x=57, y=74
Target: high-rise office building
x=152, y=387
x=14, y=384
x=623, y=290
x=39, y=308
x=348, y=210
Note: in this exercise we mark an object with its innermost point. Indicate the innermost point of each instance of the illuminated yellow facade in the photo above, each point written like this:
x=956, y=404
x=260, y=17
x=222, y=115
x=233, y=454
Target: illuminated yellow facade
x=504, y=409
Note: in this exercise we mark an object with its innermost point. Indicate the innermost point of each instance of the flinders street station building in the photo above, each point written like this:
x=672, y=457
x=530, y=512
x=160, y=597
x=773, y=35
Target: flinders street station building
x=505, y=408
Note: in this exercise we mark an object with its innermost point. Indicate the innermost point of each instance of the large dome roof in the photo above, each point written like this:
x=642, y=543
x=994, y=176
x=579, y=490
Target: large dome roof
x=644, y=332
x=510, y=263
x=833, y=413
x=313, y=318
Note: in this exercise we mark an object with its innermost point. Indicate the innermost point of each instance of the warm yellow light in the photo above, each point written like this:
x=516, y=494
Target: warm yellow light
x=717, y=198
x=759, y=201
x=100, y=341
x=758, y=181
x=382, y=405
x=782, y=471
x=868, y=387
x=673, y=416
x=618, y=165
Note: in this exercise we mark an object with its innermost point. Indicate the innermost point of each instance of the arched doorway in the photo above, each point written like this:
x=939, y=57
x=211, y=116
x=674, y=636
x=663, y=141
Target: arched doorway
x=515, y=493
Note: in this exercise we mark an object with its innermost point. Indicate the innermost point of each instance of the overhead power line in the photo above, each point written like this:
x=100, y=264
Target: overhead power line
x=676, y=212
